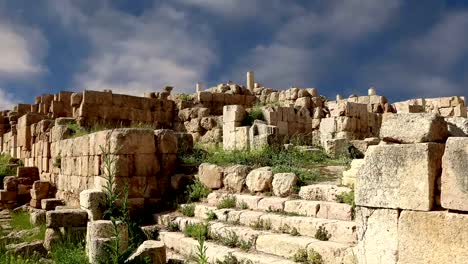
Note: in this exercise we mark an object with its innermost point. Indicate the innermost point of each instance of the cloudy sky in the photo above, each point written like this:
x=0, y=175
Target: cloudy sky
x=406, y=49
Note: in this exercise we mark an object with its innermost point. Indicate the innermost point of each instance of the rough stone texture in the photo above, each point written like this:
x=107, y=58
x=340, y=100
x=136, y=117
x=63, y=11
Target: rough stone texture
x=28, y=172
x=432, y=237
x=284, y=183
x=349, y=176
x=37, y=216
x=282, y=245
x=152, y=249
x=52, y=237
x=40, y=190
x=271, y=204
x=166, y=141
x=50, y=204
x=399, y=176
x=211, y=175
x=234, y=177
x=454, y=181
x=28, y=249
x=377, y=231
x=97, y=249
x=66, y=218
x=94, y=202
x=260, y=180
x=322, y=192
x=10, y=183
x=413, y=128
x=457, y=126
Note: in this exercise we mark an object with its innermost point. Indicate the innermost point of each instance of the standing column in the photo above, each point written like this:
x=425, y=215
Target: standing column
x=198, y=87
x=250, y=80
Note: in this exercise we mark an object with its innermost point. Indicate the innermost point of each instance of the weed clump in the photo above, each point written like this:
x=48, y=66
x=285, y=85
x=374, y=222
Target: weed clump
x=227, y=202
x=187, y=210
x=322, y=234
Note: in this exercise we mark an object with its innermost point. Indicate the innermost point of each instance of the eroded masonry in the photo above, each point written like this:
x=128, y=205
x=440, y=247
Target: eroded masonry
x=409, y=174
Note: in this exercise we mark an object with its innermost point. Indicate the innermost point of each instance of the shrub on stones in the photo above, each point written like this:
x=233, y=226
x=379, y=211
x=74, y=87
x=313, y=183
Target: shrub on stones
x=187, y=210
x=322, y=234
x=227, y=202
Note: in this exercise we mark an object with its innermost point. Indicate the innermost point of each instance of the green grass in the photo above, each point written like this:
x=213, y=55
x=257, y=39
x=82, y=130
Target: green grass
x=5, y=170
x=305, y=176
x=197, y=191
x=322, y=234
x=20, y=221
x=69, y=252
x=255, y=113
x=347, y=198
x=227, y=202
x=197, y=231
x=272, y=156
x=187, y=210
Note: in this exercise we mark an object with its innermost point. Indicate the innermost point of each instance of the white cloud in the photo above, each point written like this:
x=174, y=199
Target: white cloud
x=307, y=46
x=22, y=50
x=7, y=100
x=135, y=54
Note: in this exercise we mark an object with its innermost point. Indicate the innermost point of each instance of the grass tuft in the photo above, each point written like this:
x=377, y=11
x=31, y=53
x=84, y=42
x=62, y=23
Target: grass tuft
x=227, y=202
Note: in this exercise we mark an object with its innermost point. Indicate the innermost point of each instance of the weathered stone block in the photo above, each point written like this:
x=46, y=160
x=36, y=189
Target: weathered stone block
x=233, y=113
x=283, y=184
x=399, y=176
x=211, y=175
x=152, y=249
x=260, y=180
x=431, y=237
x=94, y=202
x=166, y=141
x=50, y=204
x=10, y=183
x=28, y=172
x=6, y=196
x=234, y=177
x=454, y=181
x=66, y=218
x=40, y=190
x=413, y=128
x=373, y=227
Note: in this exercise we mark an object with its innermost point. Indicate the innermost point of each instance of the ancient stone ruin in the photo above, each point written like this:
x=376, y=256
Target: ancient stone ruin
x=403, y=198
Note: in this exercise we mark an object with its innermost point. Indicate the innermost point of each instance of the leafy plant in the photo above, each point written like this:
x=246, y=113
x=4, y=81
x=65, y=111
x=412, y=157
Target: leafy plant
x=313, y=257
x=229, y=239
x=187, y=210
x=227, y=202
x=210, y=216
x=197, y=191
x=322, y=234
x=300, y=256
x=255, y=113
x=58, y=161
x=197, y=231
x=261, y=224
x=173, y=227
x=201, y=252
x=243, y=205
x=245, y=245
x=346, y=197
x=228, y=259
x=294, y=232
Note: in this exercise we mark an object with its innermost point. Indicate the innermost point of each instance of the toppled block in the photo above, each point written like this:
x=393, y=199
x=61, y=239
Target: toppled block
x=94, y=202
x=413, y=128
x=37, y=217
x=10, y=183
x=284, y=183
x=432, y=237
x=454, y=181
x=234, y=177
x=28, y=249
x=399, y=176
x=28, y=172
x=66, y=218
x=40, y=190
x=211, y=175
x=260, y=180
x=6, y=196
x=50, y=204
x=152, y=249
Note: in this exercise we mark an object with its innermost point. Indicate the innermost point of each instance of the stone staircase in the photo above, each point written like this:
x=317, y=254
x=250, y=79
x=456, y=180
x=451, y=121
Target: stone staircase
x=262, y=229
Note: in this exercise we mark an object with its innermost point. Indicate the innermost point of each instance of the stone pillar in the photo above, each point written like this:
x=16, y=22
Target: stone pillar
x=250, y=80
x=371, y=91
x=198, y=87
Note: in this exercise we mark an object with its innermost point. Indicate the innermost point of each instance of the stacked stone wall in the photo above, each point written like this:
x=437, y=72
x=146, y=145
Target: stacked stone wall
x=444, y=106
x=411, y=193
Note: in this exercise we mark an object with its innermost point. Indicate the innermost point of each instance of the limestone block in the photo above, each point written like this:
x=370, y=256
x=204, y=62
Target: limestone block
x=282, y=245
x=128, y=141
x=413, y=128
x=260, y=180
x=166, y=141
x=454, y=181
x=373, y=227
x=106, y=229
x=152, y=249
x=35, y=203
x=432, y=237
x=51, y=238
x=399, y=176
x=50, y=204
x=28, y=172
x=242, y=138
x=211, y=175
x=66, y=218
x=457, y=126
x=40, y=190
x=335, y=147
x=275, y=204
x=10, y=183
x=193, y=125
x=249, y=200
x=322, y=192
x=234, y=177
x=6, y=196
x=233, y=113
x=283, y=184
x=37, y=217
x=94, y=202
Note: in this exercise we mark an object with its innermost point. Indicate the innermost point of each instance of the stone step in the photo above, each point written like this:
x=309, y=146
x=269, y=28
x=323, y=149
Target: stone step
x=319, y=209
x=280, y=245
x=188, y=247
x=322, y=192
x=339, y=231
